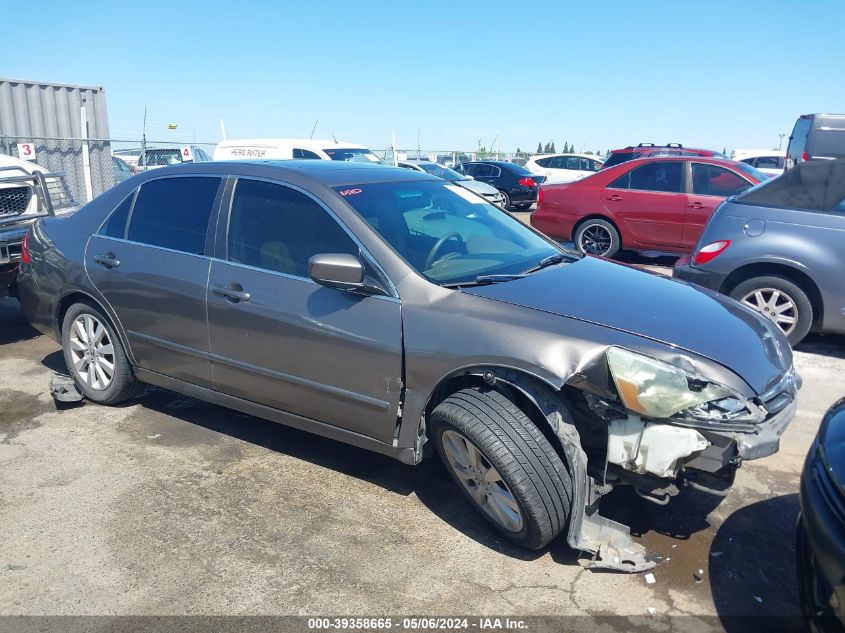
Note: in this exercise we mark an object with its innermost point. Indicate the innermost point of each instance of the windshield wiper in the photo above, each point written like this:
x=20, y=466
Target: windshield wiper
x=551, y=260
x=484, y=280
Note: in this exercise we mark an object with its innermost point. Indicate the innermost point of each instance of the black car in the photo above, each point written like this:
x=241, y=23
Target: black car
x=518, y=185
x=821, y=528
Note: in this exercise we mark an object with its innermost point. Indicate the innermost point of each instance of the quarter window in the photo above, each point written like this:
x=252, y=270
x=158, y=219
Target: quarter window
x=278, y=228
x=712, y=180
x=174, y=213
x=115, y=226
x=658, y=176
x=623, y=182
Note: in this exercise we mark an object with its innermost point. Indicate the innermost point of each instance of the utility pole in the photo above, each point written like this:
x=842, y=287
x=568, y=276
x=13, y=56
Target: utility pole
x=143, y=159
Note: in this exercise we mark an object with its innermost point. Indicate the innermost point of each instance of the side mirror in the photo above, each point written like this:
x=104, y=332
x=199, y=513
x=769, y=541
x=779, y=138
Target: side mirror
x=337, y=270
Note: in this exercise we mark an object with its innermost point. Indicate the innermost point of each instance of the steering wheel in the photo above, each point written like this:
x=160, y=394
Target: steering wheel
x=436, y=248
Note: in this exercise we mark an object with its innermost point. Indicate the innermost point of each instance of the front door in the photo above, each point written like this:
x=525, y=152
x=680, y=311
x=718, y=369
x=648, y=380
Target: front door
x=284, y=341
x=711, y=184
x=149, y=262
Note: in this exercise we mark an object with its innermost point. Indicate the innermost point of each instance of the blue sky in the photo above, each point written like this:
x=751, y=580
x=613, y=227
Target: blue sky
x=596, y=74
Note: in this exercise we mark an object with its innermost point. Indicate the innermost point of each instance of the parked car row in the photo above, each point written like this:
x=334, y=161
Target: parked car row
x=773, y=240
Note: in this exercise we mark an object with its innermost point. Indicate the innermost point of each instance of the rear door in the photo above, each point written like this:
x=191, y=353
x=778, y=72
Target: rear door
x=650, y=203
x=710, y=185
x=284, y=341
x=149, y=262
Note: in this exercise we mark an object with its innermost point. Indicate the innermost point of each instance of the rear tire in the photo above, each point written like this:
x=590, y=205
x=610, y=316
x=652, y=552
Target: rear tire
x=780, y=300
x=597, y=237
x=95, y=357
x=517, y=482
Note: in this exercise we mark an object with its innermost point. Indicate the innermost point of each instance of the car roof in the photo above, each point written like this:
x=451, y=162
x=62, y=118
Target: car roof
x=593, y=156
x=326, y=172
x=714, y=160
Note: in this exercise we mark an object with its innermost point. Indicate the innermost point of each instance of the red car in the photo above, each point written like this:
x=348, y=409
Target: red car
x=651, y=204
x=644, y=150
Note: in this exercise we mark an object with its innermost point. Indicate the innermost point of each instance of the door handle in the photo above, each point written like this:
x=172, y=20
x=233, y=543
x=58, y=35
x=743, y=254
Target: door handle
x=109, y=260
x=695, y=205
x=614, y=198
x=233, y=292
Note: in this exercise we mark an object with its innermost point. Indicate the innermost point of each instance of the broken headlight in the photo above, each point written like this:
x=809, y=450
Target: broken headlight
x=656, y=389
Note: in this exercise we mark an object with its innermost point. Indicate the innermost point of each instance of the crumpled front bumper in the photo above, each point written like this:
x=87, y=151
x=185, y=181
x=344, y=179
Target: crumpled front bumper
x=765, y=440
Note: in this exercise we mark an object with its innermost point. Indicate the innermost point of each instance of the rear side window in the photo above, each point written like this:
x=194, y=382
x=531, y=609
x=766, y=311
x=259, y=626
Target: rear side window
x=711, y=180
x=174, y=213
x=658, y=176
x=618, y=157
x=279, y=229
x=115, y=226
x=482, y=171
x=546, y=162
x=798, y=140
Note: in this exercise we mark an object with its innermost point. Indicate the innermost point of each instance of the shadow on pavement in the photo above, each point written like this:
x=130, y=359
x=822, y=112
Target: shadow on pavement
x=428, y=481
x=752, y=565
x=823, y=345
x=14, y=327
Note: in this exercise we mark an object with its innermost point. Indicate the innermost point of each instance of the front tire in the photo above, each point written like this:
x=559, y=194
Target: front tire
x=504, y=465
x=781, y=300
x=95, y=357
x=597, y=237
x=506, y=200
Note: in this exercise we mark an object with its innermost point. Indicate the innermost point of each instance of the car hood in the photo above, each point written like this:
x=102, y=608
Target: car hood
x=654, y=307
x=481, y=188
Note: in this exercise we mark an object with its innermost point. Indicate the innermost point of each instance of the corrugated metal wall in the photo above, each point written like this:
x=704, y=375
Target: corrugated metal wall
x=49, y=116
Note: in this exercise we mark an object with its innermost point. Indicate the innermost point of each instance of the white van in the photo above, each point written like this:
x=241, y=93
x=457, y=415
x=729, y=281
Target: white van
x=287, y=148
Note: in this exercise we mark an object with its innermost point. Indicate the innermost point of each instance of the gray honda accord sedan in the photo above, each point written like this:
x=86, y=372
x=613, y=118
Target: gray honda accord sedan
x=397, y=312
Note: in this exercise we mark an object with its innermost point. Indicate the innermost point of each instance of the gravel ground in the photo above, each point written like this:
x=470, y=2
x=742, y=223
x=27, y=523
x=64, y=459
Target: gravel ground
x=167, y=505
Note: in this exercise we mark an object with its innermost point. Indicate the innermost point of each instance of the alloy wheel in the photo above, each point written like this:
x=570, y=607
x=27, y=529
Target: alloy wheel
x=775, y=305
x=92, y=352
x=483, y=482
x=595, y=240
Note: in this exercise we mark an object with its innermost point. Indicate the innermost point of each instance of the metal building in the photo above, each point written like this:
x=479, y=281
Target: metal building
x=67, y=128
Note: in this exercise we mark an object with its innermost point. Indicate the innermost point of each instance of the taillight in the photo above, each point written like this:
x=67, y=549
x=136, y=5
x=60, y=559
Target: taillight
x=26, y=258
x=541, y=195
x=710, y=252
x=805, y=156
x=527, y=182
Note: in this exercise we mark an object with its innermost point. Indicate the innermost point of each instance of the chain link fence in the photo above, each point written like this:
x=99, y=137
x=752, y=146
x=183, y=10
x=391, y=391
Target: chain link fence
x=92, y=166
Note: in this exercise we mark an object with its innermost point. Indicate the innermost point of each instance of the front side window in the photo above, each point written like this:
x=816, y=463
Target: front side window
x=446, y=233
x=768, y=162
x=157, y=158
x=712, y=180
x=304, y=153
x=278, y=228
x=174, y=213
x=663, y=176
x=587, y=164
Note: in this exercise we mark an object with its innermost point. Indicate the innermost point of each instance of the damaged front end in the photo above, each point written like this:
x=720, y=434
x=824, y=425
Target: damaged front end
x=631, y=419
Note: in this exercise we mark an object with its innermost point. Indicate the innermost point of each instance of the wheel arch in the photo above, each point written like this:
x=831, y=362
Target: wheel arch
x=76, y=295
x=526, y=390
x=597, y=216
x=794, y=274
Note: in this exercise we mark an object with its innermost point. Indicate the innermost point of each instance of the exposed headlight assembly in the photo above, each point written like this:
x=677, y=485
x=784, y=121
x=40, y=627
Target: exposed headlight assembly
x=656, y=389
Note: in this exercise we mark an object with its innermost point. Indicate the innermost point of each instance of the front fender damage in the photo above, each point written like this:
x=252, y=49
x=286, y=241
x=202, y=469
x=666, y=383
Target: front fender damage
x=609, y=543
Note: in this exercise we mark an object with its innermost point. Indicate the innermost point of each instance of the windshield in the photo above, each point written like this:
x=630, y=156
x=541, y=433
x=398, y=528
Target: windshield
x=352, y=155
x=755, y=173
x=442, y=172
x=446, y=233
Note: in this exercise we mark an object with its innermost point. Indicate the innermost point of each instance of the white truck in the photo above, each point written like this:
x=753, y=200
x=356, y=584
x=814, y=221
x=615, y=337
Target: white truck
x=290, y=148
x=27, y=192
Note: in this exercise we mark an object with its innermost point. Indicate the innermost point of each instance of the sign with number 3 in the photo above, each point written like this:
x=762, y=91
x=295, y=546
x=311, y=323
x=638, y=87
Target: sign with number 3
x=26, y=151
